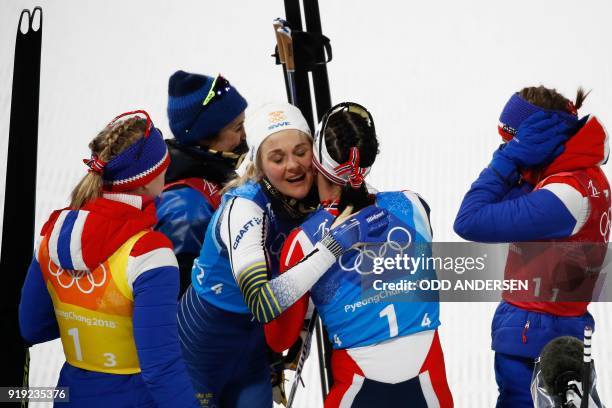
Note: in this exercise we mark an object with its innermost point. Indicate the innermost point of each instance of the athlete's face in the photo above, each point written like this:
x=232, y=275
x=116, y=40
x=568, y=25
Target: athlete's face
x=286, y=158
x=230, y=137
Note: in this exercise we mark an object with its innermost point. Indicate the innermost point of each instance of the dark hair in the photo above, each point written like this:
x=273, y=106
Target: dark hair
x=344, y=130
x=551, y=99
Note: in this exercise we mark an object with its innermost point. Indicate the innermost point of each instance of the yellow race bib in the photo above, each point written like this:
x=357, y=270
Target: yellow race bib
x=94, y=311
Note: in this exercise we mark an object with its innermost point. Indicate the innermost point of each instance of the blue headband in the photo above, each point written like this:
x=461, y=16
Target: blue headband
x=518, y=109
x=138, y=164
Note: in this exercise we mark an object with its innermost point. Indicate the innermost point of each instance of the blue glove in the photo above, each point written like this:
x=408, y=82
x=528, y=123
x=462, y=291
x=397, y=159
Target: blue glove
x=366, y=226
x=539, y=141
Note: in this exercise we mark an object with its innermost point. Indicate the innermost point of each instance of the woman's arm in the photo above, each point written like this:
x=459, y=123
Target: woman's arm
x=153, y=275
x=557, y=210
x=183, y=216
x=283, y=331
x=550, y=212
x=244, y=226
x=37, y=320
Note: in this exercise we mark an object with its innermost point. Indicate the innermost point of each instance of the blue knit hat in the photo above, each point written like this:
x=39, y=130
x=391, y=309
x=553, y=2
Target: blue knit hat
x=190, y=121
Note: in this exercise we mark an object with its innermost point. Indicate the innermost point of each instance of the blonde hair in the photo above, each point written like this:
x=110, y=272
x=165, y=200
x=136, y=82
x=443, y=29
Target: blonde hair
x=253, y=171
x=111, y=141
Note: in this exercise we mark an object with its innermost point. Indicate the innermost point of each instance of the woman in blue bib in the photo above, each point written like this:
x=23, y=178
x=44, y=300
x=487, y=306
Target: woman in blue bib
x=235, y=287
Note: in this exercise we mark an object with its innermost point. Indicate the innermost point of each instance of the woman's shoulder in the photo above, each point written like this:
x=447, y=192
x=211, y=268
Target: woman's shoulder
x=48, y=225
x=150, y=241
x=250, y=191
x=250, y=187
x=402, y=198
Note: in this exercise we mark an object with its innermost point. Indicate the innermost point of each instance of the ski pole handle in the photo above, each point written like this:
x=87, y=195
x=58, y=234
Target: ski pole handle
x=287, y=45
x=278, y=24
x=286, y=42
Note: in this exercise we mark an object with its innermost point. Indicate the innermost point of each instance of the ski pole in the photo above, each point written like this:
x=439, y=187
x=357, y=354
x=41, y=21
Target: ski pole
x=586, y=367
x=284, y=41
x=302, y=358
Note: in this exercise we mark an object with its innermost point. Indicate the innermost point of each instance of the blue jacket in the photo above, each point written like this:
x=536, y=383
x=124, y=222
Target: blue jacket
x=186, y=208
x=499, y=208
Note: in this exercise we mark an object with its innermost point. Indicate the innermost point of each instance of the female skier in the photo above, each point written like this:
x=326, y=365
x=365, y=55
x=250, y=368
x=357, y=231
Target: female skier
x=206, y=116
x=544, y=184
x=386, y=351
x=234, y=289
x=106, y=283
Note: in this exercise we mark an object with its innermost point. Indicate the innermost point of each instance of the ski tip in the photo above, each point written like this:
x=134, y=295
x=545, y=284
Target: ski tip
x=32, y=22
x=24, y=25
x=36, y=19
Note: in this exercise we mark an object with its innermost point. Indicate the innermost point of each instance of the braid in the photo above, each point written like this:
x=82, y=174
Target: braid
x=106, y=145
x=116, y=138
x=343, y=131
x=347, y=129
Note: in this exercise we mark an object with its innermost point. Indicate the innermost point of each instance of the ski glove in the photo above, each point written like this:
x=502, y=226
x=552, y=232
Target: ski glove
x=363, y=227
x=539, y=141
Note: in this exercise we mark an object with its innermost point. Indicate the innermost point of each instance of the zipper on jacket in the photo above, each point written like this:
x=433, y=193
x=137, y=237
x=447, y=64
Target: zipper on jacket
x=524, y=333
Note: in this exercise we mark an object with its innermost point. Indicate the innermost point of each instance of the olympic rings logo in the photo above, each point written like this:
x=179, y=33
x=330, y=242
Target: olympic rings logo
x=604, y=225
x=76, y=277
x=368, y=255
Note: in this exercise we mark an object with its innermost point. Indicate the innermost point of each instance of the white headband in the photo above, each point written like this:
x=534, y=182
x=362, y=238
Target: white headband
x=269, y=119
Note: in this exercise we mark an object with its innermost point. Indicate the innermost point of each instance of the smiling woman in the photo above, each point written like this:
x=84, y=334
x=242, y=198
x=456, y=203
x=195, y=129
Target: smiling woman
x=286, y=158
x=235, y=283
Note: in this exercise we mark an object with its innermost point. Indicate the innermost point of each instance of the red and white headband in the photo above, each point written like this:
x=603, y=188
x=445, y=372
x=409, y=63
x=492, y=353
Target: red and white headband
x=349, y=172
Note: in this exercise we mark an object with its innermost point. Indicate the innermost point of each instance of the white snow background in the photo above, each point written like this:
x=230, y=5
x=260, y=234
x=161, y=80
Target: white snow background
x=434, y=74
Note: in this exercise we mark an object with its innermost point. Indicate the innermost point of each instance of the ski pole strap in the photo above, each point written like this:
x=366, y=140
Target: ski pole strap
x=306, y=47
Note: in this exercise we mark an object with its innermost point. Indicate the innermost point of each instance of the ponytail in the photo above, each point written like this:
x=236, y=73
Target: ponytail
x=356, y=197
x=580, y=97
x=88, y=189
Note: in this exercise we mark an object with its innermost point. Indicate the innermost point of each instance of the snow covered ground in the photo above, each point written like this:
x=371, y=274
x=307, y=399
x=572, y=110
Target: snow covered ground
x=434, y=74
